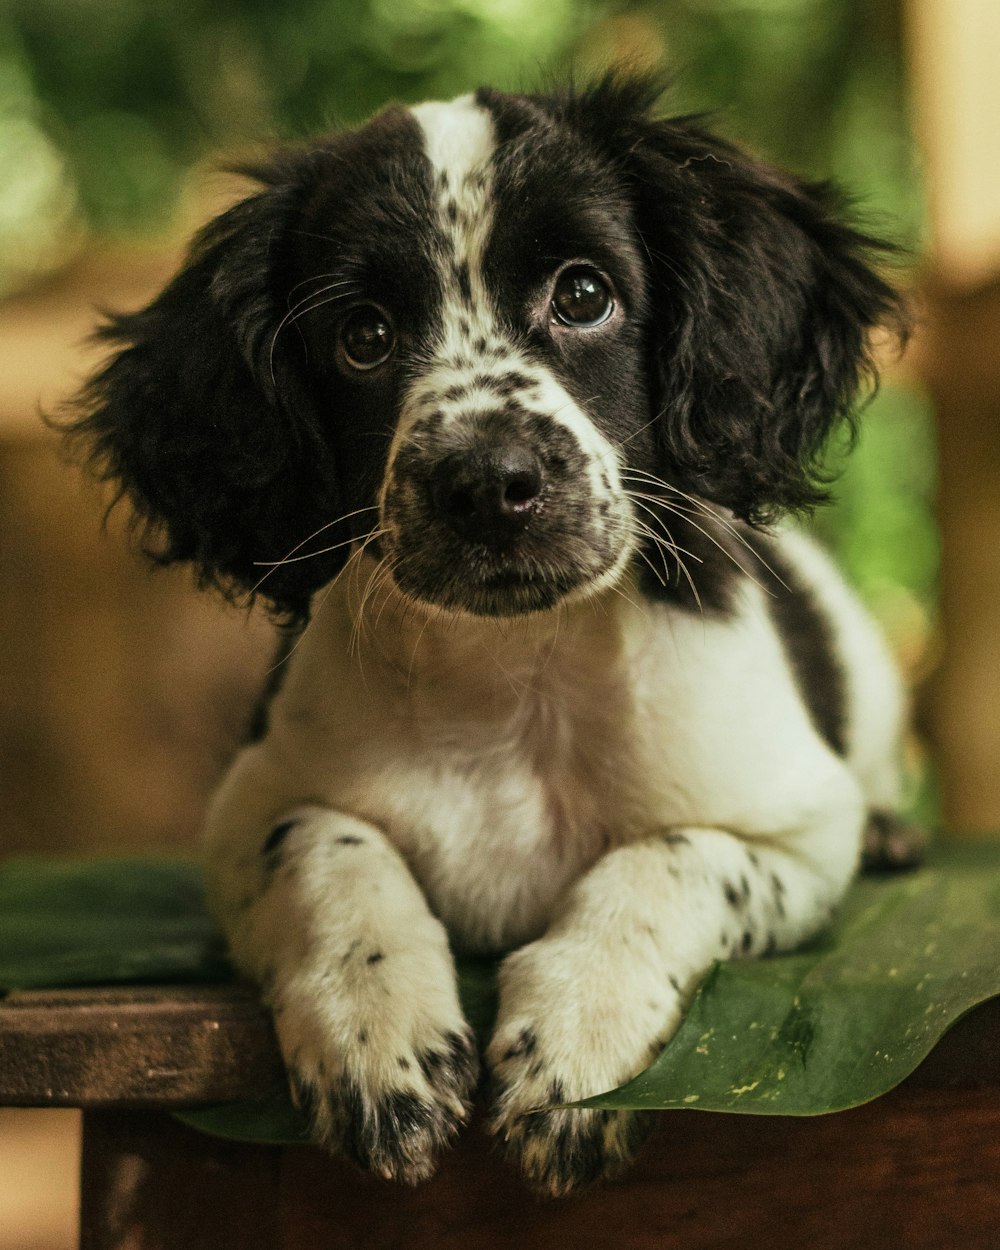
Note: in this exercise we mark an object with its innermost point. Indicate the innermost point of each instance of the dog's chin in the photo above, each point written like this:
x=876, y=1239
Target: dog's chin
x=503, y=595
x=513, y=590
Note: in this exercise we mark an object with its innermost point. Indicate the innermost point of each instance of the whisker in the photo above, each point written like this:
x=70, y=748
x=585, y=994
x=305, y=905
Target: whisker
x=682, y=566
x=272, y=564
x=311, y=555
x=635, y=434
x=709, y=512
x=317, y=277
x=319, y=607
x=659, y=538
x=293, y=314
x=684, y=515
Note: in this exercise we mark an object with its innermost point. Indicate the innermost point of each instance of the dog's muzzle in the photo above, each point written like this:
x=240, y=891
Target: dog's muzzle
x=498, y=513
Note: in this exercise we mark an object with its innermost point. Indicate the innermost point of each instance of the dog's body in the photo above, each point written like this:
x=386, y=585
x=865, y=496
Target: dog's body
x=555, y=698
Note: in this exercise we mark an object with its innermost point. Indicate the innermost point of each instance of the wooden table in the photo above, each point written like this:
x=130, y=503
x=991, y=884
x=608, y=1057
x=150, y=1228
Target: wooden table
x=916, y=1170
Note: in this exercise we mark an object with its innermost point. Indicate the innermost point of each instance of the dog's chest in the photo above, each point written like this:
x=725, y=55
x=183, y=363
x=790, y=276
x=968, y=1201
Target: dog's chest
x=501, y=788
x=519, y=815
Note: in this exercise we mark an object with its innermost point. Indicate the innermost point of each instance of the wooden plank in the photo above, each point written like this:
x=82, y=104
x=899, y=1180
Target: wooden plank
x=149, y=1183
x=176, y=1046
x=918, y=1170
x=134, y=1047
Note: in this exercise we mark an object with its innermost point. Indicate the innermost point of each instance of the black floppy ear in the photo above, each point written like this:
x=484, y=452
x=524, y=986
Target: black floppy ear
x=764, y=300
x=202, y=416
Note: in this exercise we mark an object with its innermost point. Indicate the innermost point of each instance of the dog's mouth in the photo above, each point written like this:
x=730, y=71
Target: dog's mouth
x=483, y=585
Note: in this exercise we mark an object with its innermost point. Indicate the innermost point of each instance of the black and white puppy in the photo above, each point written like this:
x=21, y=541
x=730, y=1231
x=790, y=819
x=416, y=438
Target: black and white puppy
x=498, y=393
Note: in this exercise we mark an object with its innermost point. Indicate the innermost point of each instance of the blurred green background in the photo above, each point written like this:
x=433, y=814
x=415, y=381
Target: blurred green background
x=106, y=105
x=111, y=111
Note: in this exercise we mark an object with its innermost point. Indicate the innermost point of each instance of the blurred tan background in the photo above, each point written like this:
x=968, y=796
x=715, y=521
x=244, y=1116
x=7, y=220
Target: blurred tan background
x=123, y=692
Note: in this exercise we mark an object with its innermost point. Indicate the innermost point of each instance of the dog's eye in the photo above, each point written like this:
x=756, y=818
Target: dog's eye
x=582, y=298
x=367, y=338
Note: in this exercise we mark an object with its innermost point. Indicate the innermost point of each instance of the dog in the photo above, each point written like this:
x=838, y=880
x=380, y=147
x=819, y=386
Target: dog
x=510, y=398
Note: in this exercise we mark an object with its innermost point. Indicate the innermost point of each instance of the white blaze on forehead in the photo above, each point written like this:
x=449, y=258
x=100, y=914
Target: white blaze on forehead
x=458, y=137
x=459, y=142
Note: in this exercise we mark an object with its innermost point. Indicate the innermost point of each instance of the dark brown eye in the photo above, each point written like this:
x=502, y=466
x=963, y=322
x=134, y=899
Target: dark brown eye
x=367, y=338
x=582, y=297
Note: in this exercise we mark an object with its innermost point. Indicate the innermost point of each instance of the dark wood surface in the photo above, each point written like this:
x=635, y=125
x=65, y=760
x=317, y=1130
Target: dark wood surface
x=180, y=1046
x=157, y=1046
x=918, y=1169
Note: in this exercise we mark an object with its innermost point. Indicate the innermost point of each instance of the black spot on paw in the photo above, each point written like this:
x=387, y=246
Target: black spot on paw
x=453, y=1066
x=746, y=941
x=732, y=897
x=676, y=839
x=398, y=1135
x=349, y=839
x=375, y=957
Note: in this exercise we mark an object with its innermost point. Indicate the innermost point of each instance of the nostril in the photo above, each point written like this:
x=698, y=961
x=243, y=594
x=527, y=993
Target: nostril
x=521, y=490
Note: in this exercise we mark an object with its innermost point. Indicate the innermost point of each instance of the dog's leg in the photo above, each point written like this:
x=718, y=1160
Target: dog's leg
x=326, y=916
x=592, y=1002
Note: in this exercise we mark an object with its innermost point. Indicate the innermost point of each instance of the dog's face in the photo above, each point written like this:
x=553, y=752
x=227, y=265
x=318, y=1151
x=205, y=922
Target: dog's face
x=476, y=336
x=469, y=335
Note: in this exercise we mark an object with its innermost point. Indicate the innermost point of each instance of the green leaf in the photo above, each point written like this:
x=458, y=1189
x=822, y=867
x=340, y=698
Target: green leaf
x=839, y=1024
x=826, y=1028
x=105, y=921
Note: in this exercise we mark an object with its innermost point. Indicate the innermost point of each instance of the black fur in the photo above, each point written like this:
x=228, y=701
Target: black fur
x=809, y=644
x=225, y=419
x=762, y=303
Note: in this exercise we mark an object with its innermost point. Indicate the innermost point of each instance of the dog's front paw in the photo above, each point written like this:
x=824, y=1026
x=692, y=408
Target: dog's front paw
x=394, y=1116
x=378, y=1053
x=565, y=1034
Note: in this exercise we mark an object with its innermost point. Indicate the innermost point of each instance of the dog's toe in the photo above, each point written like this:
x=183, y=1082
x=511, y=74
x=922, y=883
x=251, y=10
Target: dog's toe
x=562, y=1150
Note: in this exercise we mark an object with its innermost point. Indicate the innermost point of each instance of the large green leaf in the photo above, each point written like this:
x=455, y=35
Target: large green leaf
x=844, y=1021
x=826, y=1028
x=104, y=921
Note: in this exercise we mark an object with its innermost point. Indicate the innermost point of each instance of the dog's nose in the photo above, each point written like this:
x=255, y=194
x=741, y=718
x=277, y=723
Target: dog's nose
x=488, y=495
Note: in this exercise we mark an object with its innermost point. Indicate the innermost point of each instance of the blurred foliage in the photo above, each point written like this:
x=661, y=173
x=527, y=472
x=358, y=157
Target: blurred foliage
x=107, y=105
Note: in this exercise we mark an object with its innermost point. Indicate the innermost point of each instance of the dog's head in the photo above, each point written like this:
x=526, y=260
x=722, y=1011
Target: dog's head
x=471, y=333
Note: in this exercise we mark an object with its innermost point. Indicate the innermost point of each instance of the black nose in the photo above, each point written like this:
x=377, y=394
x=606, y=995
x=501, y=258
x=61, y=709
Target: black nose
x=490, y=494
